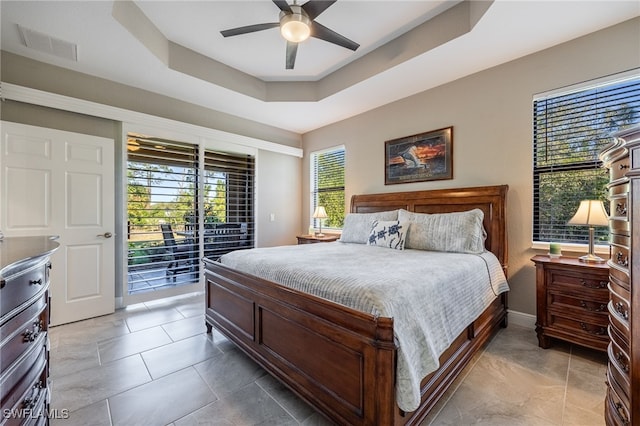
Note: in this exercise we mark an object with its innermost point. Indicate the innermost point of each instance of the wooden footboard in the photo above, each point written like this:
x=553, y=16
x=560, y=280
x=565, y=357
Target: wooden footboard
x=339, y=360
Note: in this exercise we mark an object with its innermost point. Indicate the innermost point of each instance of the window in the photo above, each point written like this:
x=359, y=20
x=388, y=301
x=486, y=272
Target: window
x=327, y=186
x=569, y=131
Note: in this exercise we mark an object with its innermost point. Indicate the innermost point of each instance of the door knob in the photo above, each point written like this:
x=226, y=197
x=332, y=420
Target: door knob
x=106, y=235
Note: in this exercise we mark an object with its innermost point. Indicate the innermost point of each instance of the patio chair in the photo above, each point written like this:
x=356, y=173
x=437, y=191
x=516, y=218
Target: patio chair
x=181, y=253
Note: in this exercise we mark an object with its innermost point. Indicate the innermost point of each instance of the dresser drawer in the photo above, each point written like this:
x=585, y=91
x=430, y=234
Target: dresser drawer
x=619, y=306
x=619, y=365
x=31, y=408
x=19, y=289
x=619, y=168
x=619, y=276
x=22, y=331
x=616, y=412
x=622, y=327
x=620, y=252
x=18, y=380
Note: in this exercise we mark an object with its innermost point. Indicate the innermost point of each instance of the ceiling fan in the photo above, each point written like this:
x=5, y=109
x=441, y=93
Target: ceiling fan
x=297, y=23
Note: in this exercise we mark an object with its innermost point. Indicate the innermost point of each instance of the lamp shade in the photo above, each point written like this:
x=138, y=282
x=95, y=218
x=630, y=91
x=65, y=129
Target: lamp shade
x=590, y=212
x=320, y=213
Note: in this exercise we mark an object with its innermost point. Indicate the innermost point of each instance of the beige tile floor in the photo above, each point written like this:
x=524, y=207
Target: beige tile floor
x=153, y=364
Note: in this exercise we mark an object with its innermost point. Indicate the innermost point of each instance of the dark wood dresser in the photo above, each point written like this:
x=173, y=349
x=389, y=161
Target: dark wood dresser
x=622, y=158
x=24, y=320
x=571, y=299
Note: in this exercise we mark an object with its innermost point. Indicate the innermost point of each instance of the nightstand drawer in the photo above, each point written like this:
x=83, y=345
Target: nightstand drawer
x=591, y=326
x=596, y=304
x=580, y=284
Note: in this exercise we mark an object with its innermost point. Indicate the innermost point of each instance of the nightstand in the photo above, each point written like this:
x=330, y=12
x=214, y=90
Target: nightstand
x=311, y=239
x=572, y=298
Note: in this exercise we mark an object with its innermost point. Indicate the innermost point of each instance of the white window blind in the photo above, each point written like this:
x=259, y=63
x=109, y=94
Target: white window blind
x=569, y=131
x=327, y=186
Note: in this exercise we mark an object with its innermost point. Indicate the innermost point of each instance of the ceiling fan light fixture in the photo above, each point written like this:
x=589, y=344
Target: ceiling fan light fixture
x=295, y=27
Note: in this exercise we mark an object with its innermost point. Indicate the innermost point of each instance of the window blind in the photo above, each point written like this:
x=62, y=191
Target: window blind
x=162, y=189
x=228, y=189
x=569, y=131
x=327, y=186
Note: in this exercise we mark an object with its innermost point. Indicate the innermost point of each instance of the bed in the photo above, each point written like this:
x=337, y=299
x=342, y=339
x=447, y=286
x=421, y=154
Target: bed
x=343, y=361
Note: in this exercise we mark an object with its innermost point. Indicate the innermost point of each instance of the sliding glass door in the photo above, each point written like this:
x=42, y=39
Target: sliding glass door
x=183, y=203
x=162, y=211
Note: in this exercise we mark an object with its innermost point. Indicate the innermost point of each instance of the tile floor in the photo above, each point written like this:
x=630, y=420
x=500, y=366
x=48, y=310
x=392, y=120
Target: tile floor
x=153, y=364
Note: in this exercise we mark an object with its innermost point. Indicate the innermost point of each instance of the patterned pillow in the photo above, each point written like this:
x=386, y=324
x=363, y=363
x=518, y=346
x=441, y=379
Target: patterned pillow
x=357, y=226
x=460, y=232
x=390, y=234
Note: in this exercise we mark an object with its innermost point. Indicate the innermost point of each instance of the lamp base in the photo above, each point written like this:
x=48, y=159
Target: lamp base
x=591, y=258
x=319, y=234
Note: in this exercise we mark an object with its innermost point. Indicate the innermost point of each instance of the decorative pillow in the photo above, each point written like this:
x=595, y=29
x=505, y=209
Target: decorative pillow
x=357, y=226
x=388, y=233
x=460, y=232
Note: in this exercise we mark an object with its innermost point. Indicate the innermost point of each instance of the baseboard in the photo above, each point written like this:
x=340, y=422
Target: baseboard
x=521, y=319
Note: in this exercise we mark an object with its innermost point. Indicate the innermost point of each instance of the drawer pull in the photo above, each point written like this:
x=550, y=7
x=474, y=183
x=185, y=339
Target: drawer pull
x=31, y=401
x=620, y=358
x=619, y=306
x=621, y=259
x=623, y=166
x=31, y=335
x=621, y=413
x=621, y=209
x=598, y=331
x=601, y=284
x=38, y=282
x=602, y=307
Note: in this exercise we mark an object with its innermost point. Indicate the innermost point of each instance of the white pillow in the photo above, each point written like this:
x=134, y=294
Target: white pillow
x=388, y=233
x=357, y=226
x=460, y=232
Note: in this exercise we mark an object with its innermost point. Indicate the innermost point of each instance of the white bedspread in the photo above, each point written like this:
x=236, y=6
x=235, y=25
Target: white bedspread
x=431, y=296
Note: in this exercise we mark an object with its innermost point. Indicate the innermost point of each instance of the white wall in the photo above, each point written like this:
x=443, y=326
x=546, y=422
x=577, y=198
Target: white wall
x=491, y=114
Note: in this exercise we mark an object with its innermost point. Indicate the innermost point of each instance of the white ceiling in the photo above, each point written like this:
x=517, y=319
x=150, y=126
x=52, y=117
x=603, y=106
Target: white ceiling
x=508, y=30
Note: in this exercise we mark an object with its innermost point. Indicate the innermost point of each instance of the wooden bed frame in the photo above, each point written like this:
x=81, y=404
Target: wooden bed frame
x=339, y=360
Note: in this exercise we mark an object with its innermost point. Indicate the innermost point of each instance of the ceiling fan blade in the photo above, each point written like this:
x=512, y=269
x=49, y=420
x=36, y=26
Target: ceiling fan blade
x=315, y=8
x=324, y=33
x=283, y=5
x=292, y=50
x=249, y=29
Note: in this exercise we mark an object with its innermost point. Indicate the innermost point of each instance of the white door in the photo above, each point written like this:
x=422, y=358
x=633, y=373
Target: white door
x=61, y=183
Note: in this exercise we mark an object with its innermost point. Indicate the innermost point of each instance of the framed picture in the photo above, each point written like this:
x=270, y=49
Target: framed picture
x=418, y=158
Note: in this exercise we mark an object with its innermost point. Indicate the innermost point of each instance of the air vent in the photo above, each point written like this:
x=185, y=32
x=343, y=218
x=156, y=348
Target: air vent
x=47, y=44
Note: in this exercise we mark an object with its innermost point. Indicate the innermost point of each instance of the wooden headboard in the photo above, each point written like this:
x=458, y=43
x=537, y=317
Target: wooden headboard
x=490, y=199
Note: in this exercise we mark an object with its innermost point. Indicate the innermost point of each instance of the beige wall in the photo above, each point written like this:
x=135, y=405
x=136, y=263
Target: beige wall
x=491, y=115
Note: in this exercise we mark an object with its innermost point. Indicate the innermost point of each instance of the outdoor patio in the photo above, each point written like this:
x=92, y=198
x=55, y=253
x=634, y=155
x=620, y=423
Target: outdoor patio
x=142, y=280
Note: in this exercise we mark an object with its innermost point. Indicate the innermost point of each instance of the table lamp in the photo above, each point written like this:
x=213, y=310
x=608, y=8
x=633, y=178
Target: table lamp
x=592, y=213
x=320, y=213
